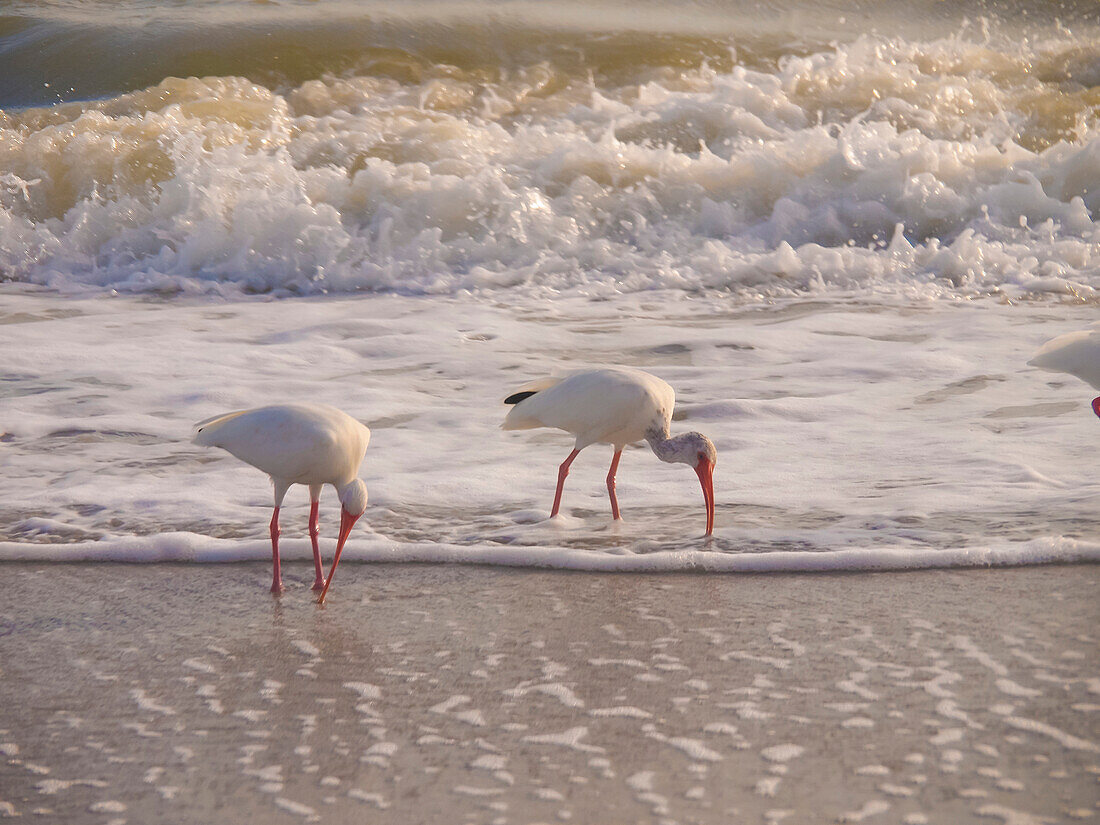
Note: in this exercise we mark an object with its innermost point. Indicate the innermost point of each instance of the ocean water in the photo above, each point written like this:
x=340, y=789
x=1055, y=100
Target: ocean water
x=840, y=230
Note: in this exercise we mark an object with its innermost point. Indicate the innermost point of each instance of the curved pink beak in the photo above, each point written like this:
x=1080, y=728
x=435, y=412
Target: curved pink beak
x=347, y=521
x=705, y=470
x=1096, y=406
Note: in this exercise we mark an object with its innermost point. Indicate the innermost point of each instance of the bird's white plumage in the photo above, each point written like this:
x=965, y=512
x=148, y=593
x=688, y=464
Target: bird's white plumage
x=616, y=406
x=293, y=443
x=1076, y=353
x=311, y=444
x=613, y=405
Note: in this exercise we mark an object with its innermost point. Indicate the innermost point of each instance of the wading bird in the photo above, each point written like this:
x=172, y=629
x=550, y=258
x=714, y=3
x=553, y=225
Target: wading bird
x=1077, y=353
x=613, y=406
x=311, y=444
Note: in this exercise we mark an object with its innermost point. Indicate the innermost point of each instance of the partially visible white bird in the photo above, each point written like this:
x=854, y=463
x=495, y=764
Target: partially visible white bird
x=1077, y=353
x=311, y=444
x=615, y=406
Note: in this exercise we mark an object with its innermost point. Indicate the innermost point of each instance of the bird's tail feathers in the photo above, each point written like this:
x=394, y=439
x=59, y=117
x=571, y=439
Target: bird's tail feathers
x=532, y=387
x=518, y=418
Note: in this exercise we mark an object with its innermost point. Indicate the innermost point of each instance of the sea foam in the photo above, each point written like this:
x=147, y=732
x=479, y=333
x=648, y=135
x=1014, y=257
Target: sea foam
x=190, y=547
x=935, y=169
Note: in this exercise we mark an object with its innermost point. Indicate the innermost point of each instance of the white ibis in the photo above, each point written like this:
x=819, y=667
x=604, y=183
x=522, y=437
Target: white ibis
x=615, y=406
x=1077, y=353
x=310, y=444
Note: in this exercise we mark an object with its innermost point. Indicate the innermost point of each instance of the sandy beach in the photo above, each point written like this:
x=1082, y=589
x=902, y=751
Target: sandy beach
x=447, y=694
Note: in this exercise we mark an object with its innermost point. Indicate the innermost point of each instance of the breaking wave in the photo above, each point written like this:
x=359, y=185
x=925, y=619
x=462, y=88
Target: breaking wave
x=967, y=164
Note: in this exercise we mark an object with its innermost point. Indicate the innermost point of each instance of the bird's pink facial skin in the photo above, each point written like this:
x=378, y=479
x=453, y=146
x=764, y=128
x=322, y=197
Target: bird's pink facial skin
x=1096, y=406
x=347, y=521
x=705, y=470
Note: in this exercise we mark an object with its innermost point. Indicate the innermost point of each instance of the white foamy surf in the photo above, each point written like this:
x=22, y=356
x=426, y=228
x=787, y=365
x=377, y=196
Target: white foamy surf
x=955, y=167
x=195, y=549
x=895, y=435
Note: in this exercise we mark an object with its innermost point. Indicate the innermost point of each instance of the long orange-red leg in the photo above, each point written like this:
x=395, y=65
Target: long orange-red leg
x=563, y=471
x=314, y=533
x=611, y=485
x=276, y=578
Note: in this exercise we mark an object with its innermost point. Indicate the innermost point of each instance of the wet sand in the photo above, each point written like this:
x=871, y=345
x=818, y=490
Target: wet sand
x=447, y=694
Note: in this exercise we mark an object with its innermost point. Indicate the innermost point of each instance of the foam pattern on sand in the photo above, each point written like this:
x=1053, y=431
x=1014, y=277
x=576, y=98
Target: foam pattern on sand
x=686, y=698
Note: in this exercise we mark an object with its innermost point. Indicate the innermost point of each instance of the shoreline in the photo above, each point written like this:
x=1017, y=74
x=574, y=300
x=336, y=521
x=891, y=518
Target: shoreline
x=189, y=548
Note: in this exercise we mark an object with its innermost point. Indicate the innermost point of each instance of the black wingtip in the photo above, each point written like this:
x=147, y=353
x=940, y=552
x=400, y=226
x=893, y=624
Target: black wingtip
x=519, y=396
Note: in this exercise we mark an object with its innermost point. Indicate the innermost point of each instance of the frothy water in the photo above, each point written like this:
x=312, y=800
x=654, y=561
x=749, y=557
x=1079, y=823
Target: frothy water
x=850, y=435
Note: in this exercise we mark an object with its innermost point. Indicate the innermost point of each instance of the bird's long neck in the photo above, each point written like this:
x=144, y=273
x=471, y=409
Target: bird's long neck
x=664, y=446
